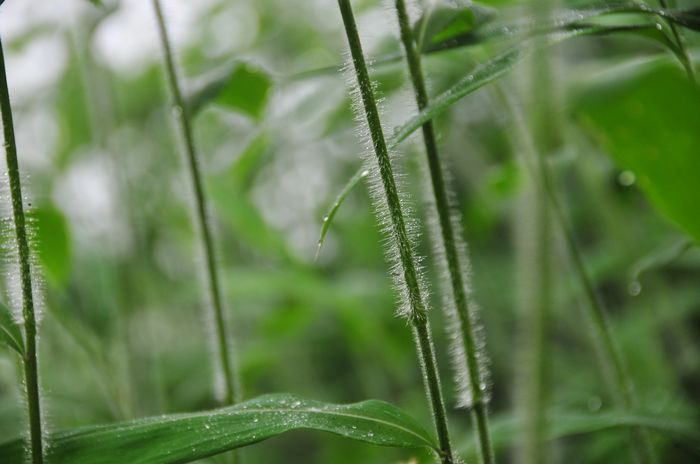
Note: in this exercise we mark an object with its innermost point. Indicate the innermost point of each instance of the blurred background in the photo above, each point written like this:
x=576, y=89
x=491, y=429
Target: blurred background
x=122, y=333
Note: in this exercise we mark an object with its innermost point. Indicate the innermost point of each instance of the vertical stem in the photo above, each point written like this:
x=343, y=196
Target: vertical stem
x=537, y=305
x=418, y=316
x=212, y=279
x=620, y=383
x=478, y=407
x=31, y=374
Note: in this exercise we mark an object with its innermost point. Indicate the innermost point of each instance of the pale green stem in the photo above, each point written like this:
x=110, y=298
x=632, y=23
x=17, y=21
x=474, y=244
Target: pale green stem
x=225, y=358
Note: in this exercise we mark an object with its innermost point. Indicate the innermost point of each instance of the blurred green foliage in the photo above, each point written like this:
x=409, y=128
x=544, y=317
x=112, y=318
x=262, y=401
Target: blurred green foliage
x=122, y=317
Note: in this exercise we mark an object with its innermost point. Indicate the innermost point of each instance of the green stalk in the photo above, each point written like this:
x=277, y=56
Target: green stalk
x=537, y=274
x=621, y=385
x=225, y=361
x=31, y=372
x=477, y=384
x=417, y=311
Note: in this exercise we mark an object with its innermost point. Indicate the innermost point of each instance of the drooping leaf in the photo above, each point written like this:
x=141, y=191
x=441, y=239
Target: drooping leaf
x=242, y=87
x=504, y=430
x=478, y=78
x=10, y=332
x=652, y=131
x=328, y=218
x=188, y=437
x=52, y=243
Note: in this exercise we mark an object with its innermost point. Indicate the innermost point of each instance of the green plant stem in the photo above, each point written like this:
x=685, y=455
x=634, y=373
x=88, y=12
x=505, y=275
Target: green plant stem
x=225, y=357
x=31, y=371
x=468, y=339
x=621, y=385
x=418, y=316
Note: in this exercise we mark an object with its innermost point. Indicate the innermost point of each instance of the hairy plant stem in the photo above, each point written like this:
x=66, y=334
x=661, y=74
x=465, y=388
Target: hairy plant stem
x=621, y=385
x=418, y=316
x=31, y=371
x=476, y=382
x=225, y=361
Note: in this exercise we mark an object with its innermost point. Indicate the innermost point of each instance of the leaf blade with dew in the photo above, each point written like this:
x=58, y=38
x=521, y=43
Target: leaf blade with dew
x=188, y=437
x=483, y=75
x=10, y=332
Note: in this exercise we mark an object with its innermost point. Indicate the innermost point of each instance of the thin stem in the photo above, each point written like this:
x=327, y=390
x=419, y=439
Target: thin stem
x=212, y=279
x=418, y=315
x=466, y=329
x=685, y=57
x=31, y=374
x=621, y=385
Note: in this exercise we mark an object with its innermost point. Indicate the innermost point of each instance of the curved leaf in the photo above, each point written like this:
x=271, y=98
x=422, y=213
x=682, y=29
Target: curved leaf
x=328, y=218
x=186, y=437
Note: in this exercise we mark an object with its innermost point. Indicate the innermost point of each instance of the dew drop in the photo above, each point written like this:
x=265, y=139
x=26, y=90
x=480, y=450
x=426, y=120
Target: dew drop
x=626, y=178
x=634, y=288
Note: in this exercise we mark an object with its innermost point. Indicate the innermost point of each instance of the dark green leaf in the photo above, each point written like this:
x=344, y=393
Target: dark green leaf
x=652, y=131
x=52, y=243
x=243, y=88
x=449, y=20
x=188, y=437
x=10, y=333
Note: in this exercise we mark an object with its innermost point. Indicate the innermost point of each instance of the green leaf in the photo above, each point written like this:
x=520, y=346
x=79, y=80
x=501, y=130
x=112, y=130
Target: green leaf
x=243, y=88
x=652, y=131
x=449, y=20
x=328, y=218
x=10, y=332
x=188, y=437
x=481, y=76
x=504, y=430
x=52, y=243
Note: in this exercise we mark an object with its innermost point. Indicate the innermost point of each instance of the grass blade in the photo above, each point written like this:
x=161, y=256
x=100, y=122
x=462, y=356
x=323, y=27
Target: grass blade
x=188, y=437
